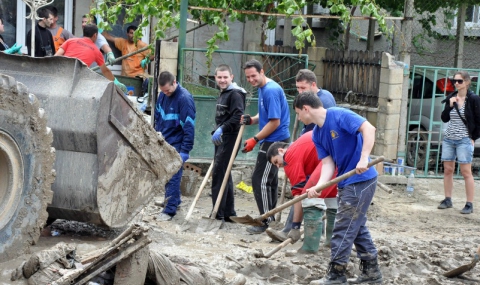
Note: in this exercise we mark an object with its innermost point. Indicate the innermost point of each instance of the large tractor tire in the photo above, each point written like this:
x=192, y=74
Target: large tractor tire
x=26, y=169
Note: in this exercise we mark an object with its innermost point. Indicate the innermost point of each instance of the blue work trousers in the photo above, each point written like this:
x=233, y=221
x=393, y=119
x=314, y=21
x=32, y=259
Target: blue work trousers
x=350, y=228
x=172, y=192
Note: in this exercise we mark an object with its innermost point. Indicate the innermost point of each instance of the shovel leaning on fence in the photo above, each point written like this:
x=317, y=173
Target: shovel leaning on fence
x=248, y=220
x=211, y=223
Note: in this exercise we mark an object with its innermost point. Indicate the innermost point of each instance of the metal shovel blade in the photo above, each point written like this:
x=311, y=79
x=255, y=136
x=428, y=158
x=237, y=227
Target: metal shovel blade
x=209, y=225
x=247, y=220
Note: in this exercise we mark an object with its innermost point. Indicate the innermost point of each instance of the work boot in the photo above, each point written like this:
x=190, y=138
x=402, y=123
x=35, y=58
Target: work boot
x=331, y=214
x=335, y=275
x=468, y=209
x=370, y=273
x=446, y=203
x=257, y=229
x=280, y=236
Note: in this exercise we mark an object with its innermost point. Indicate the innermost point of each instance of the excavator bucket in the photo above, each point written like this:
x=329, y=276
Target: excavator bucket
x=109, y=161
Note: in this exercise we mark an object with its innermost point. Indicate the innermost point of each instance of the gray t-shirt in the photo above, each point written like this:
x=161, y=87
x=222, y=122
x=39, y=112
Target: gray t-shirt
x=65, y=34
x=101, y=40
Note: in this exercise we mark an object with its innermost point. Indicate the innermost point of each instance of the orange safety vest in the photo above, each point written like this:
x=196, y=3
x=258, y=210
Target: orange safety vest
x=58, y=40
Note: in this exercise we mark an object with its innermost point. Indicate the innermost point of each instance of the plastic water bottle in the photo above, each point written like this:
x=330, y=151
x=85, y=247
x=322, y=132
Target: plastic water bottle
x=410, y=184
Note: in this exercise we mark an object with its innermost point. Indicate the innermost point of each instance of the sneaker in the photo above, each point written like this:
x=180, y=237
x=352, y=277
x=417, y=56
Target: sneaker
x=277, y=235
x=446, y=203
x=468, y=209
x=257, y=229
x=159, y=203
x=164, y=217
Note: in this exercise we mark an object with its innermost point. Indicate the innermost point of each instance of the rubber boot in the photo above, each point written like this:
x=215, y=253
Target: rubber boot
x=313, y=226
x=331, y=214
x=335, y=275
x=282, y=234
x=370, y=273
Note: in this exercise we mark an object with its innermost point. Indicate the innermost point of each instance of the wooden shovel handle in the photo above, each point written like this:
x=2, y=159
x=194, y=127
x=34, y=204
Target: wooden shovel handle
x=204, y=182
x=284, y=185
x=280, y=246
x=317, y=188
x=227, y=174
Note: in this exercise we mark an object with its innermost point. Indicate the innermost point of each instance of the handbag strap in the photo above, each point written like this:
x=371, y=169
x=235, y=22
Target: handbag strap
x=455, y=105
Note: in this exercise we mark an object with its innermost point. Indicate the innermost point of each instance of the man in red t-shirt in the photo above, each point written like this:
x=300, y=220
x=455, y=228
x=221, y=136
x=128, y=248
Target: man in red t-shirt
x=85, y=50
x=302, y=167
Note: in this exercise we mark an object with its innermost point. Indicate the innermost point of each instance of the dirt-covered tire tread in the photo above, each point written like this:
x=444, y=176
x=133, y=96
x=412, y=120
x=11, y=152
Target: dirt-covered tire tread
x=22, y=118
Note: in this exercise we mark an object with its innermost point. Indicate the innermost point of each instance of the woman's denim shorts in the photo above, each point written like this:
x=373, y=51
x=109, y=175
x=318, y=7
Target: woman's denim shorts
x=462, y=150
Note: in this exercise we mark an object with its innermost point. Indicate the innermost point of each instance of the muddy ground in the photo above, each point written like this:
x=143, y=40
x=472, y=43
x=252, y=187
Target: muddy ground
x=416, y=242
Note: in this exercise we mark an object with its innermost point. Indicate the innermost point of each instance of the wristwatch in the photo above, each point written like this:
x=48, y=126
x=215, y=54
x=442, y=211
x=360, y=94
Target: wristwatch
x=255, y=138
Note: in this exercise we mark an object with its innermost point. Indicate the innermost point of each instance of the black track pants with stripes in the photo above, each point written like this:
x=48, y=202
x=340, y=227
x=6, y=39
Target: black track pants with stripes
x=265, y=182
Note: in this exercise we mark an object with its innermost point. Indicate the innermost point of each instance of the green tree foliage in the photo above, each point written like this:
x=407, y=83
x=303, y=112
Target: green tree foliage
x=167, y=11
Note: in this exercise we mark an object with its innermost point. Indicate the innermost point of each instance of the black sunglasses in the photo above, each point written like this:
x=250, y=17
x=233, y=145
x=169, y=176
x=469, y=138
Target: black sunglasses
x=459, y=81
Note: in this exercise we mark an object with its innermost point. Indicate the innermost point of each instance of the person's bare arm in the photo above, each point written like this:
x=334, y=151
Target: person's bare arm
x=107, y=72
x=368, y=134
x=327, y=171
x=60, y=51
x=108, y=37
x=106, y=48
x=269, y=128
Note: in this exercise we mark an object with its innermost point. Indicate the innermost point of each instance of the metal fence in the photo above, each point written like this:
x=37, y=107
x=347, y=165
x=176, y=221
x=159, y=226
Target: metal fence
x=279, y=66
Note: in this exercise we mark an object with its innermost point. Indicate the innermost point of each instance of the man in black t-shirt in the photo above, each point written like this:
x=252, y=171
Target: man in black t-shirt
x=44, y=45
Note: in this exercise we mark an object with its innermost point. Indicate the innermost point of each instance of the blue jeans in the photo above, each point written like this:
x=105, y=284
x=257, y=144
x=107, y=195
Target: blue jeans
x=350, y=228
x=461, y=149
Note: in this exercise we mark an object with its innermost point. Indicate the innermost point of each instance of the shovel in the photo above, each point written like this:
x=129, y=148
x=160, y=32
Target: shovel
x=275, y=249
x=247, y=220
x=278, y=217
x=211, y=223
x=464, y=268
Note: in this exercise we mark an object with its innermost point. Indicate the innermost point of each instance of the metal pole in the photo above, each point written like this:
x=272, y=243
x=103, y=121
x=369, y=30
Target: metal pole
x=182, y=35
x=405, y=50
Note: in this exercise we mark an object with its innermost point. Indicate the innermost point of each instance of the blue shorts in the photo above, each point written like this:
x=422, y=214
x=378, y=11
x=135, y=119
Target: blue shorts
x=462, y=150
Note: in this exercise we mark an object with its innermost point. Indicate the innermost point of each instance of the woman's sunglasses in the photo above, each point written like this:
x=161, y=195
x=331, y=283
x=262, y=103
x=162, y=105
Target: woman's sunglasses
x=459, y=81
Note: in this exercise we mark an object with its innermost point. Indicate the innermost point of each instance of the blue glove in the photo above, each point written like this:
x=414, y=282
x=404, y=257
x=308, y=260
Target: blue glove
x=110, y=58
x=184, y=156
x=145, y=62
x=14, y=49
x=121, y=86
x=100, y=30
x=217, y=137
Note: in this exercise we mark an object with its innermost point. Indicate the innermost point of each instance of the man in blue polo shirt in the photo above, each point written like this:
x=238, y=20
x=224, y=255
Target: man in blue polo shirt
x=273, y=120
x=344, y=140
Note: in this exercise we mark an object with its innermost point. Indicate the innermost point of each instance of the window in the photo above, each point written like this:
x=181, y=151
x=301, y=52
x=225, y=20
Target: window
x=8, y=13
x=65, y=12
x=472, y=16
